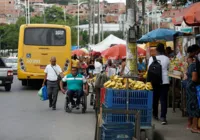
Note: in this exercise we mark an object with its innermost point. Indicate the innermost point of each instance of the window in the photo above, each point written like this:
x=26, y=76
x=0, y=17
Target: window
x=45, y=37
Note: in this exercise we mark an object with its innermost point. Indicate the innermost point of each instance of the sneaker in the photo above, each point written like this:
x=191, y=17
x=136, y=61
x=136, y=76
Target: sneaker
x=71, y=106
x=163, y=121
x=53, y=108
x=78, y=107
x=50, y=105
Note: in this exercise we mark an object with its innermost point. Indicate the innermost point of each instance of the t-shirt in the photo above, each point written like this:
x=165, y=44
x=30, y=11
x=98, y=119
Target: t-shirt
x=141, y=66
x=51, y=74
x=164, y=60
x=98, y=67
x=74, y=83
x=75, y=63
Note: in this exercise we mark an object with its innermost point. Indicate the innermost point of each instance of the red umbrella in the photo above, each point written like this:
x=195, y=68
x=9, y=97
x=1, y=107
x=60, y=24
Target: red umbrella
x=192, y=15
x=79, y=52
x=141, y=52
x=119, y=52
x=115, y=52
x=94, y=53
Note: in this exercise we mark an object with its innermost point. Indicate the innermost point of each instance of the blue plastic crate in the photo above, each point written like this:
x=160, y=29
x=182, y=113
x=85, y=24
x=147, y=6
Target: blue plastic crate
x=145, y=118
x=138, y=99
x=116, y=131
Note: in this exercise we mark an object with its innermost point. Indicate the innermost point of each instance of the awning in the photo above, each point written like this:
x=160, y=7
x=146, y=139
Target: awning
x=192, y=15
x=179, y=17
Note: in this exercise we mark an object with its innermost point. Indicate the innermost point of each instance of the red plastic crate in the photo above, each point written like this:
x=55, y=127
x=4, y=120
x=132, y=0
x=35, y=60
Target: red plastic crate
x=103, y=94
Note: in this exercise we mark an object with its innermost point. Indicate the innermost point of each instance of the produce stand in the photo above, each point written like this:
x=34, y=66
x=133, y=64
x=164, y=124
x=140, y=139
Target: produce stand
x=182, y=93
x=122, y=108
x=179, y=65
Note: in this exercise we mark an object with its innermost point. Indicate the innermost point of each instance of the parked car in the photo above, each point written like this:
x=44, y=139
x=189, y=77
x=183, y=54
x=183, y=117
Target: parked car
x=11, y=62
x=6, y=75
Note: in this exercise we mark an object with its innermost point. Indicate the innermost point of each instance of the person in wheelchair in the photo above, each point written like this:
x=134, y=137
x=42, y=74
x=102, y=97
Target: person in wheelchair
x=76, y=86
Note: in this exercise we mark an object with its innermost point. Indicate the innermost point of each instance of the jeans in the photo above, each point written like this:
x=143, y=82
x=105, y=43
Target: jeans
x=78, y=93
x=52, y=89
x=160, y=92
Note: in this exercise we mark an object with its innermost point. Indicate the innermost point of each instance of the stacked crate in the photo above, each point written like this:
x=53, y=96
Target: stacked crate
x=117, y=99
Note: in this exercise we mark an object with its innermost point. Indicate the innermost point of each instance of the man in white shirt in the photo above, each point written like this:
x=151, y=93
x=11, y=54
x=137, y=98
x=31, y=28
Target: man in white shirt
x=161, y=91
x=98, y=67
x=52, y=72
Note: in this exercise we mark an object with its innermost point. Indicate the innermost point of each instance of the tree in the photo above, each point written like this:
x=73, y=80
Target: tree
x=53, y=15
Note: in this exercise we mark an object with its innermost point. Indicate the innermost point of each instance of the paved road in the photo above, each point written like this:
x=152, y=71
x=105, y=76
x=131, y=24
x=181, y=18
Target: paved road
x=24, y=117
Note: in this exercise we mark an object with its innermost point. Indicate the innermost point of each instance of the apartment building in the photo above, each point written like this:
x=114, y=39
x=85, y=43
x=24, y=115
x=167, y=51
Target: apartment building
x=9, y=11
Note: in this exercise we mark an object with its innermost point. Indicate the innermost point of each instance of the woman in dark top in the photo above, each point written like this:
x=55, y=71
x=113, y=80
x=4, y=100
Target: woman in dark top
x=191, y=96
x=91, y=67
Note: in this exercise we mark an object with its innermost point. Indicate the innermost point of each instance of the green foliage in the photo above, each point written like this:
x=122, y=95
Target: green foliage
x=53, y=15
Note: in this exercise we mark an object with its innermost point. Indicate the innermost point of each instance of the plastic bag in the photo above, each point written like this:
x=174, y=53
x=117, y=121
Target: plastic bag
x=40, y=93
x=43, y=93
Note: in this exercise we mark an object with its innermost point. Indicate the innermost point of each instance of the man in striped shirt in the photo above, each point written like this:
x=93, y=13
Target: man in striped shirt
x=76, y=84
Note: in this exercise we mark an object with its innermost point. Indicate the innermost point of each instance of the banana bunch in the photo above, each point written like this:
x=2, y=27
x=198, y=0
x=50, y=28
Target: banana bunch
x=116, y=82
x=145, y=75
x=148, y=86
x=139, y=85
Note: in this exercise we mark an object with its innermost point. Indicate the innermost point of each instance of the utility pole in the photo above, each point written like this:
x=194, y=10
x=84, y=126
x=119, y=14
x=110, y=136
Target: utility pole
x=64, y=15
x=90, y=21
x=29, y=19
x=44, y=18
x=25, y=2
x=78, y=25
x=93, y=20
x=98, y=21
x=132, y=32
x=143, y=19
x=102, y=21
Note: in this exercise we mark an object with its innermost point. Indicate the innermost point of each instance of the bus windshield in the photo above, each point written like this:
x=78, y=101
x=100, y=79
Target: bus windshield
x=45, y=37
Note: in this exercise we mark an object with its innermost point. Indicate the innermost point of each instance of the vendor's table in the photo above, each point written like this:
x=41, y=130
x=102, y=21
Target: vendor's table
x=182, y=93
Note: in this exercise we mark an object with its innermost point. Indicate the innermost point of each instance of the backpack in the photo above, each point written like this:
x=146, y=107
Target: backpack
x=101, y=78
x=155, y=72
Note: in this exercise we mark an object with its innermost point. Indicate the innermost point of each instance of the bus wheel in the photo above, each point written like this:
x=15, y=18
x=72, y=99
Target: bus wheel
x=24, y=82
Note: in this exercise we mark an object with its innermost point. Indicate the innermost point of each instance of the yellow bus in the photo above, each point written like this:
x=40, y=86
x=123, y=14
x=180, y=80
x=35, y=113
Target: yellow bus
x=37, y=44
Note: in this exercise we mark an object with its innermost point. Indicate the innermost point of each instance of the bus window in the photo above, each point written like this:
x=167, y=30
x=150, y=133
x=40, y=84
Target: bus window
x=45, y=37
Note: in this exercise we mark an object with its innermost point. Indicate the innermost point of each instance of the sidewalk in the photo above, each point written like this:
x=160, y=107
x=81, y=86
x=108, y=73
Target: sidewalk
x=176, y=128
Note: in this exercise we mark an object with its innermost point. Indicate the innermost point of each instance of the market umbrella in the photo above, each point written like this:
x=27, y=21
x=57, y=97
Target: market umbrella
x=85, y=50
x=94, y=53
x=192, y=15
x=119, y=52
x=79, y=52
x=115, y=52
x=74, y=48
x=141, y=52
x=158, y=34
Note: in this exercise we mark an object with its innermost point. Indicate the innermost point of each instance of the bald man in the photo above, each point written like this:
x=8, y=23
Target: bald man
x=52, y=71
